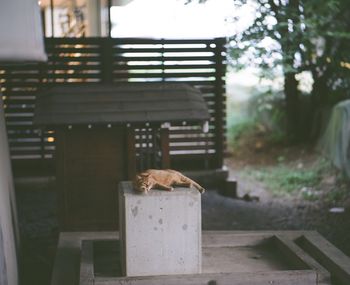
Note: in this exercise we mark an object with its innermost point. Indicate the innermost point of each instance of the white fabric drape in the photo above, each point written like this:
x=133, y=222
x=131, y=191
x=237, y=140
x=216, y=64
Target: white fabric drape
x=21, y=36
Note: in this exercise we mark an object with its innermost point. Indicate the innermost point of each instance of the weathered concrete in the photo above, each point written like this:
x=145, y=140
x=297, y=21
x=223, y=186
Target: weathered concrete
x=160, y=231
x=8, y=216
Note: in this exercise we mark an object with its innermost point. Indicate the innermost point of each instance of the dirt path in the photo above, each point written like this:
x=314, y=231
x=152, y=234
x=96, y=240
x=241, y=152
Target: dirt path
x=272, y=213
x=269, y=213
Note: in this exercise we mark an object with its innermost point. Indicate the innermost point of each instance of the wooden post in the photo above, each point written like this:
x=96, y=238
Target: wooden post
x=131, y=164
x=59, y=187
x=106, y=60
x=164, y=146
x=219, y=102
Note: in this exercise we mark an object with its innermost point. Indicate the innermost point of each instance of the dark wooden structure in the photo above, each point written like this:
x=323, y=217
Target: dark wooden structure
x=107, y=133
x=199, y=62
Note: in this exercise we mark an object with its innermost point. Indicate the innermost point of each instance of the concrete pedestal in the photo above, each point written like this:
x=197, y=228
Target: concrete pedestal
x=160, y=231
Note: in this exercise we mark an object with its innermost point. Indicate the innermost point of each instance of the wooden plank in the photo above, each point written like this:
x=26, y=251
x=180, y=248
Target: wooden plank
x=86, y=264
x=71, y=49
x=238, y=277
x=125, y=58
x=75, y=75
x=54, y=58
x=124, y=40
x=203, y=147
x=207, y=81
x=78, y=67
x=245, y=238
x=59, y=41
x=299, y=258
x=180, y=49
x=21, y=84
x=22, y=75
x=169, y=80
x=327, y=255
x=220, y=239
x=66, y=269
x=164, y=41
x=160, y=74
x=19, y=109
x=194, y=138
x=67, y=261
x=26, y=67
x=142, y=105
x=118, y=66
x=29, y=135
x=306, y=277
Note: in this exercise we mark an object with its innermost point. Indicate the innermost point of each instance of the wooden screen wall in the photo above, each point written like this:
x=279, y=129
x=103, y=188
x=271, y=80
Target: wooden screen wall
x=200, y=63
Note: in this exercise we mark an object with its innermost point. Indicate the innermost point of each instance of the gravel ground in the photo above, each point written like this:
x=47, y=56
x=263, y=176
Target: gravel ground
x=221, y=213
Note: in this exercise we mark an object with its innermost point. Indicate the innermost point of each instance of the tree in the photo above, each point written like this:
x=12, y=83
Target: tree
x=309, y=35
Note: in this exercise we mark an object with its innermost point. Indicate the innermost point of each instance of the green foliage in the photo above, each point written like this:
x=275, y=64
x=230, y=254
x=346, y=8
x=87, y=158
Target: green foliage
x=340, y=191
x=304, y=35
x=264, y=110
x=269, y=109
x=293, y=36
x=263, y=113
x=239, y=118
x=336, y=195
x=236, y=130
x=285, y=180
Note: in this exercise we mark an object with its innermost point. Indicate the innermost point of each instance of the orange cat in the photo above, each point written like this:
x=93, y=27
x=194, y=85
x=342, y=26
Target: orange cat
x=163, y=179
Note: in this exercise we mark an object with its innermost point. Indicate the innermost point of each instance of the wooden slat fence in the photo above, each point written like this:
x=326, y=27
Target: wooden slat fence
x=201, y=63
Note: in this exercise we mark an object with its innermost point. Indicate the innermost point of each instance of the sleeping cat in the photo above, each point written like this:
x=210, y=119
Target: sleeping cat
x=163, y=179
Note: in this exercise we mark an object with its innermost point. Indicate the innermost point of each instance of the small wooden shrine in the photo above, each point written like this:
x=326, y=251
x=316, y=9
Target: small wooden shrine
x=107, y=133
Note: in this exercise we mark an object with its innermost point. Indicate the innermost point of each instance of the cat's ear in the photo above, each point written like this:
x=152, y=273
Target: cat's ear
x=145, y=174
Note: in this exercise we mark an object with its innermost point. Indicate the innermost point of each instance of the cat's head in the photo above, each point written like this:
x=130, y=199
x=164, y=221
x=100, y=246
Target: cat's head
x=142, y=182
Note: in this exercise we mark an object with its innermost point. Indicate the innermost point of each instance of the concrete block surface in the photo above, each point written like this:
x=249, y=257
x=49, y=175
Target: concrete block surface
x=160, y=232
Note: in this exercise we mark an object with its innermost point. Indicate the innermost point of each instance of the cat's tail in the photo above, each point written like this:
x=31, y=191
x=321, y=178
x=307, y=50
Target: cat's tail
x=198, y=187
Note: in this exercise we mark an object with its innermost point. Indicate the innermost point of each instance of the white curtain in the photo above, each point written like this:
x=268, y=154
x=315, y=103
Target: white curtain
x=21, y=36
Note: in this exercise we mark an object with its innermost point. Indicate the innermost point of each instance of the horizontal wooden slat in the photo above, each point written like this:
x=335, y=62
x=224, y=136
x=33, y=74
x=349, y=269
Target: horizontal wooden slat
x=76, y=67
x=162, y=41
x=21, y=84
x=151, y=75
x=76, y=60
x=74, y=75
x=136, y=49
x=55, y=58
x=118, y=66
x=60, y=41
x=165, y=58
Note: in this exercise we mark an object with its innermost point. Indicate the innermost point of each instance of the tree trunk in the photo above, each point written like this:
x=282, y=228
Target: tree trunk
x=292, y=105
x=319, y=99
